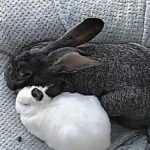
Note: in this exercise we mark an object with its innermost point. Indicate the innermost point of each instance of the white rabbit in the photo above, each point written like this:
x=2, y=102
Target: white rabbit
x=69, y=121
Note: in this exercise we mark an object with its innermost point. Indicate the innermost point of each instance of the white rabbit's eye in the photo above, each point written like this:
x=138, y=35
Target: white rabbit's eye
x=26, y=104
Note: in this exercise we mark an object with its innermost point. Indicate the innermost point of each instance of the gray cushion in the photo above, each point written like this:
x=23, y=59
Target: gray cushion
x=24, y=22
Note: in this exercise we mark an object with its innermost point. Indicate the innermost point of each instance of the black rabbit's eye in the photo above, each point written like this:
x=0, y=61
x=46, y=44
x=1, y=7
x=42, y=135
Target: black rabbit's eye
x=22, y=73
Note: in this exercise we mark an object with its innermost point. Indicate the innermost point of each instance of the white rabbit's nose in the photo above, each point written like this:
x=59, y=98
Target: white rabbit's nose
x=36, y=93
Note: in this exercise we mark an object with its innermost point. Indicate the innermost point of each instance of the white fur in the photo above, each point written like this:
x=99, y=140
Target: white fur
x=70, y=121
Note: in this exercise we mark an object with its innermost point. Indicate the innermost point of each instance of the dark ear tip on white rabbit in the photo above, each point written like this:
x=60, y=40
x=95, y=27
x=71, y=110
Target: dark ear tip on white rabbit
x=36, y=93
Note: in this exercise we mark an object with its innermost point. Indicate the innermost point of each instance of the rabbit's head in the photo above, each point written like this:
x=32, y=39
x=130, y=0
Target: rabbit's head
x=34, y=94
x=31, y=99
x=39, y=67
x=30, y=95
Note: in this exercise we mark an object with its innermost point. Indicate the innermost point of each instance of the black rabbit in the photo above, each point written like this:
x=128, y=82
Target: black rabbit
x=119, y=74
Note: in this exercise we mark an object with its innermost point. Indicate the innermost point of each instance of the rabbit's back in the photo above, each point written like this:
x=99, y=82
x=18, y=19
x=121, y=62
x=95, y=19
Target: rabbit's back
x=78, y=120
x=120, y=65
x=121, y=81
x=76, y=108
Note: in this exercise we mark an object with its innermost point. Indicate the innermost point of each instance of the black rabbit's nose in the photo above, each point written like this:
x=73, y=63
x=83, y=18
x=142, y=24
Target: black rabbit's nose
x=36, y=93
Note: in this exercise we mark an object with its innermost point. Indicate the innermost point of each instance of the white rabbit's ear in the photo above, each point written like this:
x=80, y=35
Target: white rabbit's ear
x=72, y=61
x=37, y=94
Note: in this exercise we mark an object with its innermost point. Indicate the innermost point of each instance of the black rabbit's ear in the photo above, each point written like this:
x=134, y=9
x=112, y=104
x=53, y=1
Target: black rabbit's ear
x=79, y=34
x=65, y=61
x=83, y=32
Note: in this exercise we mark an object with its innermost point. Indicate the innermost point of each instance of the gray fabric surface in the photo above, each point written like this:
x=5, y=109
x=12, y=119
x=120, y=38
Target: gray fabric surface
x=27, y=21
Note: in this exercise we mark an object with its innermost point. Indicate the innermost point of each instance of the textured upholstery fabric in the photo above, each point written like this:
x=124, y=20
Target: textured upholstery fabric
x=27, y=21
